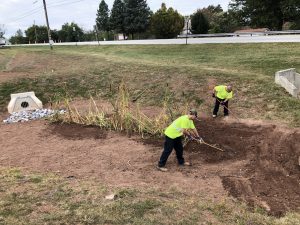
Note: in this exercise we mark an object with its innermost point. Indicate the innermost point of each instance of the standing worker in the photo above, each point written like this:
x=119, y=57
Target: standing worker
x=184, y=125
x=222, y=94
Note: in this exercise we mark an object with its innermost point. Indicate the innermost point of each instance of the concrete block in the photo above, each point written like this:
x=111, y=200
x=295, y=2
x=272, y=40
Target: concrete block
x=24, y=101
x=290, y=80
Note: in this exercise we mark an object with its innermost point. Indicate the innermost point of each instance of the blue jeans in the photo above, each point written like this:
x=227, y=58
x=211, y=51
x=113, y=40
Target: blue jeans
x=170, y=143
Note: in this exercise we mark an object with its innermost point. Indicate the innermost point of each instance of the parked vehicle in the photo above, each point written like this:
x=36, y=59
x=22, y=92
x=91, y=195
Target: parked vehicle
x=2, y=41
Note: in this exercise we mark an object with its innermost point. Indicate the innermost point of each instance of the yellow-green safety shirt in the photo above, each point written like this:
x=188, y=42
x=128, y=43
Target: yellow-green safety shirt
x=222, y=93
x=175, y=129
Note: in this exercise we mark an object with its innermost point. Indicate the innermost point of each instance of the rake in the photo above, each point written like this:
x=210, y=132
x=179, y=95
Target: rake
x=229, y=111
x=203, y=142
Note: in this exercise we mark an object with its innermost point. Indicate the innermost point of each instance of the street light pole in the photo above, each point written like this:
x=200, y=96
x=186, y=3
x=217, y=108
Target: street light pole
x=48, y=28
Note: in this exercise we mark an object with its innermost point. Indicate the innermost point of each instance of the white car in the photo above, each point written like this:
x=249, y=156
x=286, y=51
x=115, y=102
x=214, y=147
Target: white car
x=2, y=41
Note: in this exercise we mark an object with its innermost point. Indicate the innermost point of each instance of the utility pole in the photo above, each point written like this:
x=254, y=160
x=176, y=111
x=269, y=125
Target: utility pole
x=35, y=31
x=48, y=28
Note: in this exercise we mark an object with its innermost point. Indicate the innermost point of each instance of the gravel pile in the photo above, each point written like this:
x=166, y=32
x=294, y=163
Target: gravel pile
x=25, y=116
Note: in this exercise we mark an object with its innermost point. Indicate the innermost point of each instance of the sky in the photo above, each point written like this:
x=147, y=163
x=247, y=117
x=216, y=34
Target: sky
x=20, y=14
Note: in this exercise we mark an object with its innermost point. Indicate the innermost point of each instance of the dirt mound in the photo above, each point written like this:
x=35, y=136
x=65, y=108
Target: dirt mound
x=270, y=176
x=259, y=165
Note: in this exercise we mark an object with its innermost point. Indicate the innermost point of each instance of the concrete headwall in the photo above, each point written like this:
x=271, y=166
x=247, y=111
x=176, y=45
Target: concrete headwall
x=290, y=80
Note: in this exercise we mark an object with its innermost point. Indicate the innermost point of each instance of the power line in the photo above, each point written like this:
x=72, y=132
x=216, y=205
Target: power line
x=68, y=3
x=37, y=10
x=26, y=15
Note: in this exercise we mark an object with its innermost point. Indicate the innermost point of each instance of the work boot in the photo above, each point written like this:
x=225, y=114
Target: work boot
x=187, y=164
x=226, y=117
x=162, y=168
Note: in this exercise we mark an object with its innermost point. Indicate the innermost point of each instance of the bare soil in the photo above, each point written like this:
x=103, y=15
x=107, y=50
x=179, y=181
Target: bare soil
x=260, y=163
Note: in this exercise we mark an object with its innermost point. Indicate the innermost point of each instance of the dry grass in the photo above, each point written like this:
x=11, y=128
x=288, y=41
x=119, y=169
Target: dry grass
x=125, y=116
x=48, y=199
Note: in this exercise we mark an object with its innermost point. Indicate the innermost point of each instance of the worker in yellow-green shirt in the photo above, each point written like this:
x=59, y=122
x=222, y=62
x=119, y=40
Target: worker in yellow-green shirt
x=183, y=125
x=222, y=94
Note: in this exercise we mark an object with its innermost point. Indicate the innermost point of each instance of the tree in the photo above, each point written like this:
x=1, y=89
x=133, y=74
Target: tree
x=166, y=23
x=54, y=35
x=291, y=13
x=220, y=21
x=102, y=19
x=199, y=23
x=137, y=16
x=89, y=35
x=215, y=16
x=70, y=33
x=37, y=33
x=18, y=38
x=271, y=14
x=117, y=17
x=228, y=23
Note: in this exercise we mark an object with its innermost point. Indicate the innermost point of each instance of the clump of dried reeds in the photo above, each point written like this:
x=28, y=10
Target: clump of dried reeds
x=125, y=117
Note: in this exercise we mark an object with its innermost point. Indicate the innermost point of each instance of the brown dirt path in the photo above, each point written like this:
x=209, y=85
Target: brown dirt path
x=87, y=152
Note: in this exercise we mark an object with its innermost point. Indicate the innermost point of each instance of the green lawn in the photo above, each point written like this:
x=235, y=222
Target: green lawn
x=183, y=74
x=48, y=199
x=181, y=71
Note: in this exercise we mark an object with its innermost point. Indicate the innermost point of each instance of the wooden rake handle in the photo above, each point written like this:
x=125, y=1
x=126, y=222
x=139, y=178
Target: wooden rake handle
x=213, y=146
x=203, y=142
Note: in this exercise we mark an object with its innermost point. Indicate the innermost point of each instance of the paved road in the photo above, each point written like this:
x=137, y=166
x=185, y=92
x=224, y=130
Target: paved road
x=215, y=40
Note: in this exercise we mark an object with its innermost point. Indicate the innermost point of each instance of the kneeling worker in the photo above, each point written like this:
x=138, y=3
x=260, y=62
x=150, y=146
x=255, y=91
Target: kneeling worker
x=222, y=94
x=184, y=125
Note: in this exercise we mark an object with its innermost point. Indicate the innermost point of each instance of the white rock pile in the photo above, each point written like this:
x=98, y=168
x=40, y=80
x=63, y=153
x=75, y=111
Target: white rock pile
x=25, y=116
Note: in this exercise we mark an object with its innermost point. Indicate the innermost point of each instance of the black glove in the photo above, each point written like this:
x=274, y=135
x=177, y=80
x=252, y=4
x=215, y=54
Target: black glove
x=213, y=95
x=189, y=137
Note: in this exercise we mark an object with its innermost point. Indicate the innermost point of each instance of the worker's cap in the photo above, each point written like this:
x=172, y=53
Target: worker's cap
x=193, y=112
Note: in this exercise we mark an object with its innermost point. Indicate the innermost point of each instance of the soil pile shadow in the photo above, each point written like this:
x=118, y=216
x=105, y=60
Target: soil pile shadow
x=269, y=175
x=77, y=132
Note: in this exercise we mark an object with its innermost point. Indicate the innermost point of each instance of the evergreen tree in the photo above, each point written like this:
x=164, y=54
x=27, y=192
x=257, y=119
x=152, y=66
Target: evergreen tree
x=117, y=17
x=167, y=23
x=102, y=19
x=137, y=16
x=199, y=23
